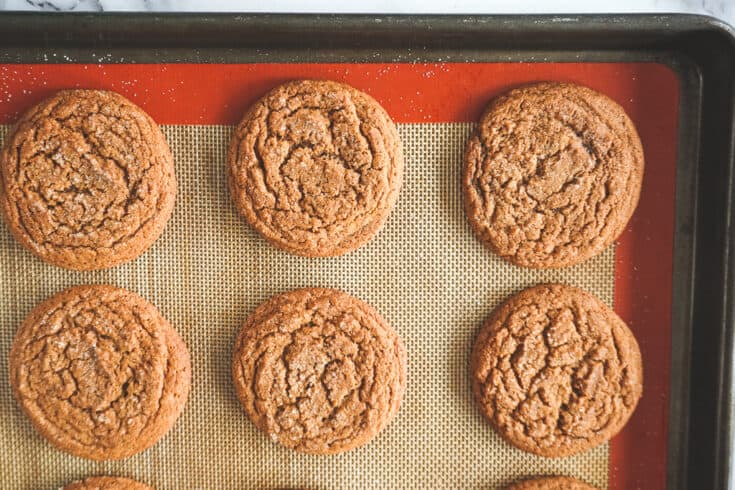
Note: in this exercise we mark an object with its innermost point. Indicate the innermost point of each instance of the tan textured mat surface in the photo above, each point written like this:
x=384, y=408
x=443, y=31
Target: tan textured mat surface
x=426, y=274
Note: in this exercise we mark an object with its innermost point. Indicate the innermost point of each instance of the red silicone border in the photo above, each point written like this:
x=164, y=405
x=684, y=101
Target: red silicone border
x=454, y=92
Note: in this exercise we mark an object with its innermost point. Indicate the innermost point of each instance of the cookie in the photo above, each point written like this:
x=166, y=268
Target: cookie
x=315, y=167
x=99, y=372
x=86, y=180
x=319, y=370
x=555, y=371
x=550, y=483
x=107, y=483
x=552, y=174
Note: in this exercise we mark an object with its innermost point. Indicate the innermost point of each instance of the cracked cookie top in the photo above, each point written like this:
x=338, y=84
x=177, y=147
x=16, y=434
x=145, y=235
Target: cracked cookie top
x=550, y=483
x=86, y=180
x=556, y=371
x=99, y=372
x=552, y=174
x=107, y=483
x=315, y=167
x=319, y=370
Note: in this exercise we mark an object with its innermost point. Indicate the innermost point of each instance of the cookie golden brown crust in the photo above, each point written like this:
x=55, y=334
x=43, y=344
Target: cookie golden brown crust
x=552, y=174
x=550, y=483
x=86, y=180
x=556, y=371
x=107, y=483
x=319, y=370
x=316, y=167
x=99, y=372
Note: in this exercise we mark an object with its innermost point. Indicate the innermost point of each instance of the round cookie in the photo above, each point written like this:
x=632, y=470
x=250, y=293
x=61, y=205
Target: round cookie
x=552, y=174
x=107, y=483
x=315, y=167
x=86, y=180
x=555, y=371
x=550, y=483
x=319, y=370
x=99, y=372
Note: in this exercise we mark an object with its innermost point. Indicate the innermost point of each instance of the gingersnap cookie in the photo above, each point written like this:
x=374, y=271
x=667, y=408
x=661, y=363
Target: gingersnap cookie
x=552, y=174
x=86, y=180
x=99, y=372
x=555, y=371
x=550, y=483
x=107, y=483
x=318, y=370
x=315, y=167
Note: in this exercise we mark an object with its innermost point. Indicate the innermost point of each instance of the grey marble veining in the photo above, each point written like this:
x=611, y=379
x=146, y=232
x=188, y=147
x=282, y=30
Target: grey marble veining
x=723, y=9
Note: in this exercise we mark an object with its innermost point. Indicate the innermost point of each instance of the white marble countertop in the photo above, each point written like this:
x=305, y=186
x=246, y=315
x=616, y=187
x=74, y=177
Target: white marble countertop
x=724, y=9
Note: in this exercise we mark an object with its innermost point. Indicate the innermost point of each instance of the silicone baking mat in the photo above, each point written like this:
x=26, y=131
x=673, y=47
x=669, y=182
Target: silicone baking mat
x=425, y=272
